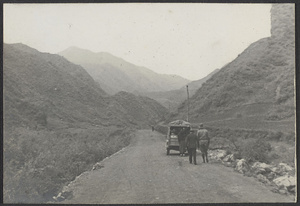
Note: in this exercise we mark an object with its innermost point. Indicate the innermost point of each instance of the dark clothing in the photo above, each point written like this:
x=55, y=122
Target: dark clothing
x=192, y=155
x=181, y=139
x=203, y=146
x=182, y=147
x=192, y=141
x=182, y=134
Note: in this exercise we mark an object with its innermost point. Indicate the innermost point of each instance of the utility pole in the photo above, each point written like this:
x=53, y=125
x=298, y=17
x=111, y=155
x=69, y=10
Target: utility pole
x=188, y=99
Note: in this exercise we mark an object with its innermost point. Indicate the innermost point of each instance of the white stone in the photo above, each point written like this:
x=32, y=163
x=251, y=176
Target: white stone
x=286, y=167
x=242, y=166
x=261, y=165
x=285, y=181
x=221, y=154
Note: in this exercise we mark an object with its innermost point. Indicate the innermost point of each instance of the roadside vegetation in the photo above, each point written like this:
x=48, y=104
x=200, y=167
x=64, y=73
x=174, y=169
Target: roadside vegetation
x=38, y=163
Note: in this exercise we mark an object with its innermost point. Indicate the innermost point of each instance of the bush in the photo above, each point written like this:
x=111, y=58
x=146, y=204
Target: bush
x=38, y=163
x=255, y=150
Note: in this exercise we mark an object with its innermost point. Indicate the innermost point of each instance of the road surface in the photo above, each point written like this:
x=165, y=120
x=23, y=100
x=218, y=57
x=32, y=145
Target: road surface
x=143, y=173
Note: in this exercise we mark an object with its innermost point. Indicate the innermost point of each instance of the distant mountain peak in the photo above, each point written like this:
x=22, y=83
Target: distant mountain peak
x=114, y=74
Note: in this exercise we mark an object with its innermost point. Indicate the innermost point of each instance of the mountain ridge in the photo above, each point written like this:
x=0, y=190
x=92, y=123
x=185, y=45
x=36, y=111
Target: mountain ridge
x=115, y=74
x=262, y=73
x=173, y=98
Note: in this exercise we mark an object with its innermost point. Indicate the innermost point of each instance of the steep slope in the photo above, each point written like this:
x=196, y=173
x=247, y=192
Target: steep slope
x=114, y=74
x=139, y=108
x=50, y=84
x=172, y=99
x=262, y=74
x=58, y=122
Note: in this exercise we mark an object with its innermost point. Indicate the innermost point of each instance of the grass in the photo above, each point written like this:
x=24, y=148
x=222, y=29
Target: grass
x=38, y=163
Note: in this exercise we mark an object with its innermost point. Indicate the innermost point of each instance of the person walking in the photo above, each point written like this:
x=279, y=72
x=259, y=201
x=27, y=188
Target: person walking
x=181, y=139
x=192, y=143
x=204, y=140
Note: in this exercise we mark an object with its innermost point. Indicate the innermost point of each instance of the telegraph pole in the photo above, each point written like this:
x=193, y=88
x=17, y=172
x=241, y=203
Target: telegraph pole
x=188, y=99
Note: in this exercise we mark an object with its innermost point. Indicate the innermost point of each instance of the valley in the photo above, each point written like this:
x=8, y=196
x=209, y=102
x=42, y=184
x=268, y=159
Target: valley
x=66, y=113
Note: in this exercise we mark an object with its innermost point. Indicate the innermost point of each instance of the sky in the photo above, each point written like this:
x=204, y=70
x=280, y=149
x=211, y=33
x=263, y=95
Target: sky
x=187, y=39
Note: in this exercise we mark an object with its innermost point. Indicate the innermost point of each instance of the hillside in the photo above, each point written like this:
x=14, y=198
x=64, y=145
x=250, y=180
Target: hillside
x=58, y=122
x=48, y=84
x=115, y=74
x=141, y=109
x=258, y=84
x=172, y=99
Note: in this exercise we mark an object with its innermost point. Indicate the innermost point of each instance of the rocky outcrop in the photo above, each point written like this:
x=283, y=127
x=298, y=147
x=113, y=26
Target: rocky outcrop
x=280, y=177
x=286, y=182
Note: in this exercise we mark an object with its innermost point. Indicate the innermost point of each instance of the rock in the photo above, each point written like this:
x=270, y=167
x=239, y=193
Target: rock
x=282, y=169
x=262, y=179
x=97, y=166
x=229, y=158
x=242, y=166
x=275, y=190
x=282, y=191
x=221, y=154
x=285, y=181
x=261, y=168
x=291, y=189
x=285, y=167
x=59, y=197
x=271, y=176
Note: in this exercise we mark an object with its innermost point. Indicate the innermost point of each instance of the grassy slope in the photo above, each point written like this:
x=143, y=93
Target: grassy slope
x=173, y=98
x=262, y=74
x=58, y=123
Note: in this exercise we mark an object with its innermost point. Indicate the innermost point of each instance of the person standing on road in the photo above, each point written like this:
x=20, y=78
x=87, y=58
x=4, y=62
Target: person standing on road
x=204, y=140
x=181, y=139
x=192, y=143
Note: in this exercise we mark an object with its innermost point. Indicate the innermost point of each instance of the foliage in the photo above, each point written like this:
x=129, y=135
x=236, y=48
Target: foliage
x=255, y=150
x=38, y=163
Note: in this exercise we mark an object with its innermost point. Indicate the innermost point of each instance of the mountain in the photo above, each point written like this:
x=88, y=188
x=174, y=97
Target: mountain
x=42, y=84
x=48, y=84
x=172, y=99
x=139, y=108
x=115, y=74
x=58, y=122
x=259, y=82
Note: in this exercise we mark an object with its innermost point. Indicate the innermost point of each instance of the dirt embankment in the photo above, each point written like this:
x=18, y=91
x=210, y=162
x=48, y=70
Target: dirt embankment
x=143, y=173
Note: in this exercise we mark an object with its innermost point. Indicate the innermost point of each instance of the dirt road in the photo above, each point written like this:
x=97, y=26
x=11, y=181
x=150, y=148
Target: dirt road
x=143, y=173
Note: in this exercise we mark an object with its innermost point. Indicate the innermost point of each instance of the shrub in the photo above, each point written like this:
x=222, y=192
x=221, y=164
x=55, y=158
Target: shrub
x=255, y=150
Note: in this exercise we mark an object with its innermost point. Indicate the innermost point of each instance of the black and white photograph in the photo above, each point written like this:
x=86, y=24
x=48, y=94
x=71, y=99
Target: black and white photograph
x=149, y=103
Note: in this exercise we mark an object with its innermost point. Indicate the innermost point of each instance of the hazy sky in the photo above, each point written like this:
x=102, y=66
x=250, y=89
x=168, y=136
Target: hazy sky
x=190, y=40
